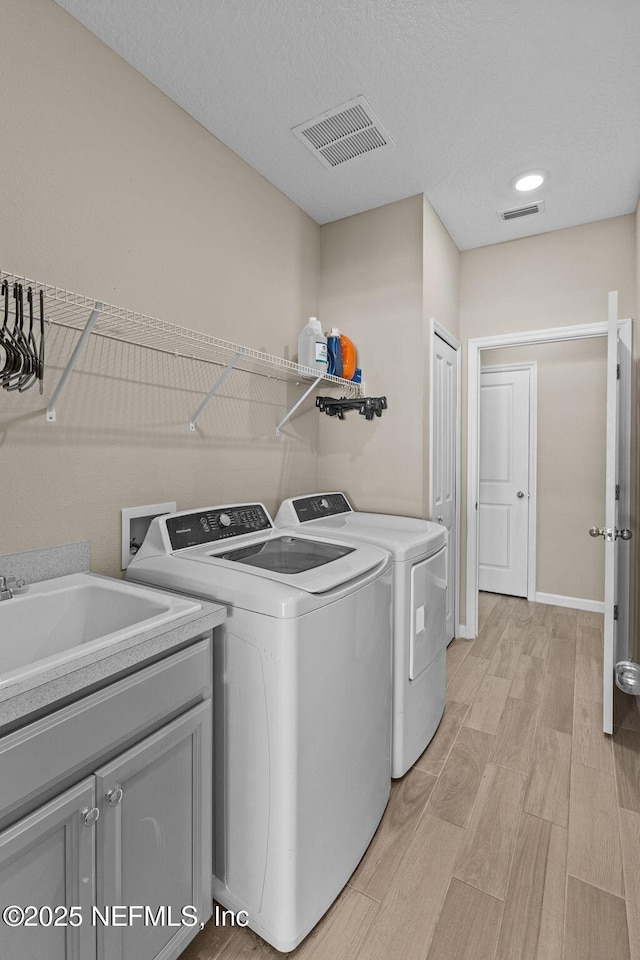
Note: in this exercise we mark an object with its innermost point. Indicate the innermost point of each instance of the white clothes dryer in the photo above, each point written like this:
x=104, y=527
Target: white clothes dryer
x=419, y=552
x=302, y=704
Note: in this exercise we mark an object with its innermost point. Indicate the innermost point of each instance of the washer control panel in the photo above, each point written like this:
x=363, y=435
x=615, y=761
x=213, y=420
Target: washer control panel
x=216, y=523
x=322, y=505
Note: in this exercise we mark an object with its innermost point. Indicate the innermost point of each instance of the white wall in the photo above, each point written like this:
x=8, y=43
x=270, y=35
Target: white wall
x=111, y=190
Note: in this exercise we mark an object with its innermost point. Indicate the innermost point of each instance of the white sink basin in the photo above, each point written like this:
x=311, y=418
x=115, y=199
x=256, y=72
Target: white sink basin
x=58, y=620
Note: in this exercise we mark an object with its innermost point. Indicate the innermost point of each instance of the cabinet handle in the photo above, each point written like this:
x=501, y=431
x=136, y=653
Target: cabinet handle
x=90, y=816
x=114, y=796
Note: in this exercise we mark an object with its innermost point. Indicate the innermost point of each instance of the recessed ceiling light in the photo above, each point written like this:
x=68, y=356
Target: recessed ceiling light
x=530, y=180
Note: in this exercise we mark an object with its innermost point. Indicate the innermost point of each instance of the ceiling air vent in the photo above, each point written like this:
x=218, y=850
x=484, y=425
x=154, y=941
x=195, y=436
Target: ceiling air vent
x=516, y=212
x=348, y=131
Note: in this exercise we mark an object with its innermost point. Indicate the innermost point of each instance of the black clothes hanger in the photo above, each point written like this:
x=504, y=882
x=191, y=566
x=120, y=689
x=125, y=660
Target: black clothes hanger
x=368, y=407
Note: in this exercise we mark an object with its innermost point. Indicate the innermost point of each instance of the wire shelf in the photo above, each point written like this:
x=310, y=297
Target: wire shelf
x=72, y=310
x=90, y=317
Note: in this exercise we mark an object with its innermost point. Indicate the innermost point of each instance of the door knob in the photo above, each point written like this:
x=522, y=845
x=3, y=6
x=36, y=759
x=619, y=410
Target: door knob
x=623, y=534
x=520, y=494
x=113, y=797
x=90, y=816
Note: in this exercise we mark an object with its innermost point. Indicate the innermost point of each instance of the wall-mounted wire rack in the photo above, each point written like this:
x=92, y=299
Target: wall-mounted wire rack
x=92, y=317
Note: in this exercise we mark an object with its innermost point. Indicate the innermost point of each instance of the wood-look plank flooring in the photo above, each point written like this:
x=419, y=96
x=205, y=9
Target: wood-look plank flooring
x=516, y=835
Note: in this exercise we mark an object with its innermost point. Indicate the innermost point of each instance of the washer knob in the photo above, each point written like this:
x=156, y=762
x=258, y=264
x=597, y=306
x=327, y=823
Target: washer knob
x=324, y=503
x=224, y=520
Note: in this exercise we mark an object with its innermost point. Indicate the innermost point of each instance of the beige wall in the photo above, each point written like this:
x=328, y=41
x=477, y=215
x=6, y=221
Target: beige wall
x=384, y=274
x=111, y=190
x=441, y=272
x=571, y=407
x=635, y=472
x=371, y=289
x=550, y=280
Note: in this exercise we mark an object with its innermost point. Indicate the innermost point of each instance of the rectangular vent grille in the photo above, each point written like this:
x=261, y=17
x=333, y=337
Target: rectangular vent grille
x=516, y=212
x=348, y=131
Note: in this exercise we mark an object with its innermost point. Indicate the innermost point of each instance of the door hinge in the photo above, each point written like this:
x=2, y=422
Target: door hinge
x=617, y=371
x=615, y=611
x=617, y=491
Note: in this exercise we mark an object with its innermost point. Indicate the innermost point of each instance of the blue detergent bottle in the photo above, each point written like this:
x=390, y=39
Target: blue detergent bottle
x=334, y=353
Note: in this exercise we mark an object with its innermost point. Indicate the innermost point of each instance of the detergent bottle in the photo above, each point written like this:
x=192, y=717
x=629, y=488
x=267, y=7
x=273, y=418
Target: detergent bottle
x=334, y=353
x=348, y=357
x=312, y=346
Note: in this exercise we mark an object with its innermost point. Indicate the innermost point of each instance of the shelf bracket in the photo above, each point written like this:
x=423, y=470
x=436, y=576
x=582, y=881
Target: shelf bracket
x=79, y=347
x=296, y=405
x=214, y=389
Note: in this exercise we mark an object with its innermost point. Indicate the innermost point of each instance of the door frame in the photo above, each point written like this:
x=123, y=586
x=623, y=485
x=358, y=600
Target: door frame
x=474, y=346
x=532, y=367
x=436, y=329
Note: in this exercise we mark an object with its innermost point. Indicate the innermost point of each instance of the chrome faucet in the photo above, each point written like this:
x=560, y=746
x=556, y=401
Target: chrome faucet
x=8, y=585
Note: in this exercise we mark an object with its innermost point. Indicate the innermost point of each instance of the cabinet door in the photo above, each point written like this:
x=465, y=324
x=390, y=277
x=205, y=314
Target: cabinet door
x=47, y=860
x=154, y=839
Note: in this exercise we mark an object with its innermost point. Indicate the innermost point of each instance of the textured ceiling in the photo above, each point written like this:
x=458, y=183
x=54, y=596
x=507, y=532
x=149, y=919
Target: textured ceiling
x=472, y=92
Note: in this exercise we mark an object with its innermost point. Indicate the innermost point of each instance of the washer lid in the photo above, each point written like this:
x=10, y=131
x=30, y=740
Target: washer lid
x=287, y=554
x=309, y=564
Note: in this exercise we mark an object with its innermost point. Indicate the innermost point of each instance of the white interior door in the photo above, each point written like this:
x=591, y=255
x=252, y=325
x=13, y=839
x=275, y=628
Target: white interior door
x=444, y=454
x=503, y=505
x=617, y=503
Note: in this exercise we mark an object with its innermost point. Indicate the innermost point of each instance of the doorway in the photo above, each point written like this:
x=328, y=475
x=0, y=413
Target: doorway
x=444, y=460
x=565, y=499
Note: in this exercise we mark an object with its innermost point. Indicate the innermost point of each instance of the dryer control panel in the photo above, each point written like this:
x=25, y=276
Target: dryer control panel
x=216, y=523
x=322, y=505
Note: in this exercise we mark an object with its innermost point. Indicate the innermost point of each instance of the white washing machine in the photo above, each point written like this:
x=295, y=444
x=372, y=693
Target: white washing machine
x=419, y=552
x=302, y=704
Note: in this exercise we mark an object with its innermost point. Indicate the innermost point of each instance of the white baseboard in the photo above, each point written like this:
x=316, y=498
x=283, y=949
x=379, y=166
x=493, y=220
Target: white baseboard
x=461, y=633
x=575, y=603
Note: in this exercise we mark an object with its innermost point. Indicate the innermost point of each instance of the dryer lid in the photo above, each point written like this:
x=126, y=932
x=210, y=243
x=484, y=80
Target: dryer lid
x=406, y=538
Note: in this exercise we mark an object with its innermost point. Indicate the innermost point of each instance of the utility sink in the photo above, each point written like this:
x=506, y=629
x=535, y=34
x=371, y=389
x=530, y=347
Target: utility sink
x=62, y=619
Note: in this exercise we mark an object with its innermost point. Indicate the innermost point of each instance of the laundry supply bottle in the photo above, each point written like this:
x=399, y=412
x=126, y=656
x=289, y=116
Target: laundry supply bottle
x=312, y=347
x=348, y=357
x=334, y=353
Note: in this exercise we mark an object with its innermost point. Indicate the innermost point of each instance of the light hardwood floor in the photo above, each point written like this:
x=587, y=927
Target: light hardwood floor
x=516, y=835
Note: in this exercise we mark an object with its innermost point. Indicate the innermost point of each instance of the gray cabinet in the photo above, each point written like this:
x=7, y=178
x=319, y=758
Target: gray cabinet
x=154, y=827
x=134, y=832
x=48, y=859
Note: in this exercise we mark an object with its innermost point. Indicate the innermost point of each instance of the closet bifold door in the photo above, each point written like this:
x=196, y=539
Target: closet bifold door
x=154, y=842
x=47, y=871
